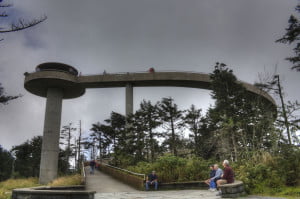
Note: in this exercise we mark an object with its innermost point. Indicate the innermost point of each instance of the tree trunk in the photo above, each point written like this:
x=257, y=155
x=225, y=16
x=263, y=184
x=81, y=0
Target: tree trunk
x=284, y=111
x=173, y=138
x=234, y=147
x=151, y=144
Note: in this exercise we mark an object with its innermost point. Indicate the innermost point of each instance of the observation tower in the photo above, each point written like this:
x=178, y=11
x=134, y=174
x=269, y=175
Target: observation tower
x=55, y=81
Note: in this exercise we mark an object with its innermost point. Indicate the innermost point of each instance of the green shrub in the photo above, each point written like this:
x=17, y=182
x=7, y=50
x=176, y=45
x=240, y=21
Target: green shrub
x=264, y=173
x=170, y=168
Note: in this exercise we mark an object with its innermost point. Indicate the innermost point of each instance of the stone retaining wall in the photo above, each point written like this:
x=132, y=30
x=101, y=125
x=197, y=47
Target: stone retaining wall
x=183, y=185
x=66, y=192
x=232, y=190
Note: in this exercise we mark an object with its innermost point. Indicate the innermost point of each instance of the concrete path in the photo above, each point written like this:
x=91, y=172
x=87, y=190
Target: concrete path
x=102, y=183
x=107, y=187
x=181, y=194
x=178, y=194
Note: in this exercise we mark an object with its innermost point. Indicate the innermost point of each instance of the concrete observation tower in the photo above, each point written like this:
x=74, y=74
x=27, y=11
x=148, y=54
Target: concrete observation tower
x=56, y=82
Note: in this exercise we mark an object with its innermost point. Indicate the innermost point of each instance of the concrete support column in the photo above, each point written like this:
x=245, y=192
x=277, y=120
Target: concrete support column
x=129, y=99
x=50, y=147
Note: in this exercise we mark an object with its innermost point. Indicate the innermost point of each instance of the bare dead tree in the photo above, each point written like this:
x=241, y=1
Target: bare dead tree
x=287, y=112
x=21, y=24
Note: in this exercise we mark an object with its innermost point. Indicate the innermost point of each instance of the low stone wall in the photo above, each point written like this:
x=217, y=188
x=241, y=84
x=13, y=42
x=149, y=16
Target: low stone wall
x=46, y=192
x=232, y=190
x=129, y=179
x=183, y=185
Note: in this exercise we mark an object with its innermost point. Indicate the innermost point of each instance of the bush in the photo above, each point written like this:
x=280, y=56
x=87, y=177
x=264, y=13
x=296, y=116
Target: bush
x=263, y=173
x=170, y=168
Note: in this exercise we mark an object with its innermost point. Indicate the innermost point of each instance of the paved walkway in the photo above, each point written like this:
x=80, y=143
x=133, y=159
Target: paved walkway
x=180, y=194
x=107, y=187
x=102, y=183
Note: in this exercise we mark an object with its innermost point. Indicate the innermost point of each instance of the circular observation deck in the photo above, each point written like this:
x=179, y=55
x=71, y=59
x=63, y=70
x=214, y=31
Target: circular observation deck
x=53, y=66
x=54, y=75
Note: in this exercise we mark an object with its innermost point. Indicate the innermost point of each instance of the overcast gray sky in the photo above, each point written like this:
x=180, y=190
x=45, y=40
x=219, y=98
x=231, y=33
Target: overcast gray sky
x=134, y=35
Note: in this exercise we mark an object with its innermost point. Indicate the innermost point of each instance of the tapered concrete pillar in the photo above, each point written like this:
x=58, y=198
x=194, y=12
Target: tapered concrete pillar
x=50, y=147
x=129, y=99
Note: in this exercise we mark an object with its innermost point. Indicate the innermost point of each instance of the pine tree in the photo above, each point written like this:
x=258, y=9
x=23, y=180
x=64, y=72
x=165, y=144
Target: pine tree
x=197, y=125
x=151, y=119
x=6, y=164
x=28, y=155
x=137, y=143
x=115, y=129
x=292, y=36
x=171, y=118
x=102, y=135
x=28, y=158
x=242, y=121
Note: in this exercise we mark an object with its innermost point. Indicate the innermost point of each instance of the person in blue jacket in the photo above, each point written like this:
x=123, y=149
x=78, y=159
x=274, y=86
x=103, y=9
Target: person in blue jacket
x=213, y=180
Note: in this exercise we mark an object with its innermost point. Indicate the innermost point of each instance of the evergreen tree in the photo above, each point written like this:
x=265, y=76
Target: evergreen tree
x=115, y=130
x=28, y=156
x=150, y=119
x=100, y=133
x=6, y=164
x=137, y=142
x=292, y=36
x=228, y=109
x=197, y=125
x=171, y=118
x=241, y=121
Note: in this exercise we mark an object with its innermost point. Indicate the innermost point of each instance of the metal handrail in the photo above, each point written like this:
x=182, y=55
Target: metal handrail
x=140, y=72
x=131, y=172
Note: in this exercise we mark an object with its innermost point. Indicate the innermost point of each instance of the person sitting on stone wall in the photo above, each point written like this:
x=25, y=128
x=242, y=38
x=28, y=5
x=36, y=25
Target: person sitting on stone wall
x=228, y=175
x=152, y=179
x=211, y=175
x=213, y=180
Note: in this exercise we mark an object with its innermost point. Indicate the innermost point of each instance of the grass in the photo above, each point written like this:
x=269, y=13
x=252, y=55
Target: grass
x=7, y=186
x=285, y=192
x=289, y=192
x=67, y=180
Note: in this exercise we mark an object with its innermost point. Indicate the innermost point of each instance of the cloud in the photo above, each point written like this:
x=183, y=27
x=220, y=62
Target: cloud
x=134, y=35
